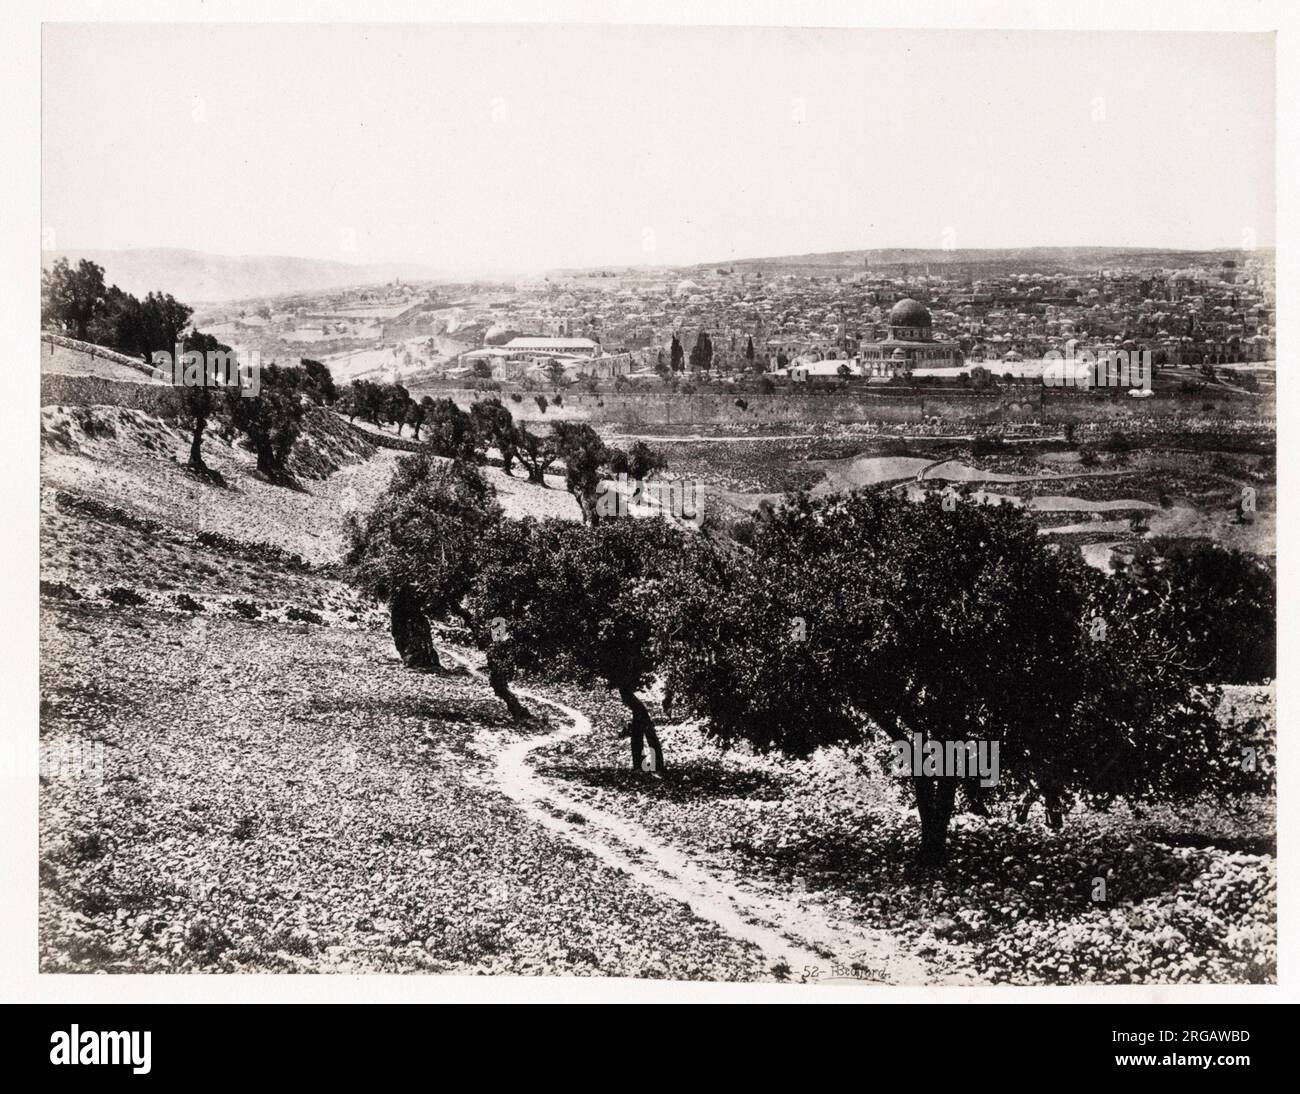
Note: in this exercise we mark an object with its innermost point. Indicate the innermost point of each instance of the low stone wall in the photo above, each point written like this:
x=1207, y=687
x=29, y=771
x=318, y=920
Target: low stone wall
x=63, y=389
x=381, y=439
x=1031, y=404
x=94, y=350
x=1059, y=406
x=698, y=409
x=945, y=411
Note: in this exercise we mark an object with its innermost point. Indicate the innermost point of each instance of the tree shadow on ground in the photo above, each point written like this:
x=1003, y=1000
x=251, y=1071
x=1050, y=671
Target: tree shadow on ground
x=1043, y=875
x=210, y=476
x=682, y=784
x=283, y=479
x=486, y=713
x=1249, y=844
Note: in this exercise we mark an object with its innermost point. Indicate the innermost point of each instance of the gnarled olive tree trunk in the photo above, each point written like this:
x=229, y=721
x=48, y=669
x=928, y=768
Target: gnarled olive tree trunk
x=934, y=804
x=499, y=681
x=196, y=443
x=1052, y=805
x=411, y=633
x=498, y=669
x=265, y=458
x=642, y=732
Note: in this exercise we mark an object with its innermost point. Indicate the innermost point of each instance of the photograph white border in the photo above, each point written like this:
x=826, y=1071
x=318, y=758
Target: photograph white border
x=20, y=195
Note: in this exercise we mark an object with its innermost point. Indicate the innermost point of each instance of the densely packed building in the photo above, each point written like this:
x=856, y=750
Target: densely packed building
x=1184, y=316
x=776, y=319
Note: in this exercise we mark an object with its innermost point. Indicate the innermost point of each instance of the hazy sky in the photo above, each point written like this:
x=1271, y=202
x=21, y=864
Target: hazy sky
x=516, y=148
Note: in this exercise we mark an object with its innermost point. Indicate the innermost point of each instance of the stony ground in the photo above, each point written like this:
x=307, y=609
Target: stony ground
x=1191, y=894
x=255, y=796
x=239, y=775
x=136, y=462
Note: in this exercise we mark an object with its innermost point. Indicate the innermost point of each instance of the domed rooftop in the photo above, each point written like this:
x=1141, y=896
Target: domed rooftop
x=909, y=313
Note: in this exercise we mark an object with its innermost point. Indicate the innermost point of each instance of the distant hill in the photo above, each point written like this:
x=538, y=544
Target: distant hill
x=196, y=277
x=1008, y=259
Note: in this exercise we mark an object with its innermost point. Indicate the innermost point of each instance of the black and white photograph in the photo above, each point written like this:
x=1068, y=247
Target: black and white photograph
x=786, y=506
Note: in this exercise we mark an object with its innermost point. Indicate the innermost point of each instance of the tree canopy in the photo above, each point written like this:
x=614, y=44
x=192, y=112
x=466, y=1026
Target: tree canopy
x=572, y=602
x=864, y=616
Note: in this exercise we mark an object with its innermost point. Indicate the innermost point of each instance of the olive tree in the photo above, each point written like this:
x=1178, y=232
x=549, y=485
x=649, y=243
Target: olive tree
x=573, y=601
x=419, y=550
x=866, y=617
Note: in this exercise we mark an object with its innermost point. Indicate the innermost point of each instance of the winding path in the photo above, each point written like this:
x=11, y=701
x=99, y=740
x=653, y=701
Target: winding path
x=791, y=933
